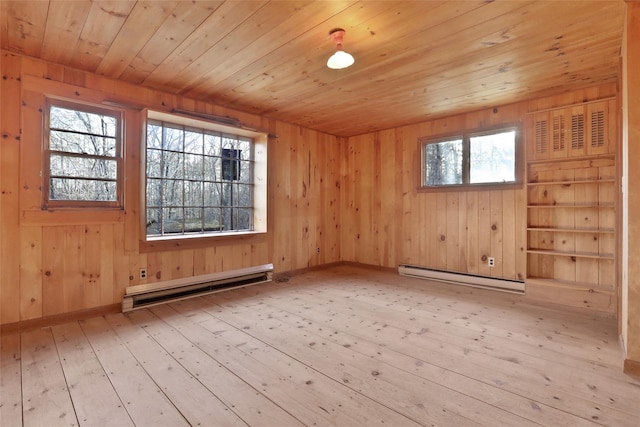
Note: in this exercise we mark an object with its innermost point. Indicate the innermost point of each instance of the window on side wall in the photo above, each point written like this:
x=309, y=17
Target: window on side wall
x=82, y=156
x=202, y=179
x=475, y=159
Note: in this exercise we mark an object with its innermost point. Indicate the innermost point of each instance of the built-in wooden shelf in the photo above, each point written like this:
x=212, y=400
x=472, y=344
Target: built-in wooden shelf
x=582, y=181
x=572, y=205
x=574, y=230
x=572, y=201
x=593, y=255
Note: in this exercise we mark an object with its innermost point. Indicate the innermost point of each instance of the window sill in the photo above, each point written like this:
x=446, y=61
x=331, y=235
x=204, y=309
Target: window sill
x=472, y=187
x=70, y=216
x=200, y=241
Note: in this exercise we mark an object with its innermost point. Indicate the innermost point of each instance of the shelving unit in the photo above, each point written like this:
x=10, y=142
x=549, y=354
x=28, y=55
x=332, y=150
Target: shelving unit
x=571, y=206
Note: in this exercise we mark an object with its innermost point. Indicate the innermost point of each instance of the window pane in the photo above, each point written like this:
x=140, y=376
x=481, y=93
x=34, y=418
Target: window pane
x=172, y=220
x=212, y=145
x=82, y=189
x=83, y=151
x=82, y=167
x=172, y=164
x=196, y=176
x=244, y=219
x=245, y=147
x=154, y=163
x=212, y=220
x=82, y=122
x=154, y=189
x=153, y=221
x=226, y=218
x=172, y=139
x=443, y=163
x=154, y=135
x=193, y=167
x=193, y=193
x=493, y=158
x=212, y=168
x=242, y=196
x=193, y=142
x=172, y=193
x=83, y=144
x=245, y=172
x=212, y=194
x=193, y=220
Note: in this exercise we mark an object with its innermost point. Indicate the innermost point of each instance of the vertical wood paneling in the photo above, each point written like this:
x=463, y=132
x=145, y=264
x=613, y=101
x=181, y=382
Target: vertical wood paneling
x=10, y=301
x=456, y=231
x=356, y=199
x=31, y=272
x=48, y=269
x=53, y=268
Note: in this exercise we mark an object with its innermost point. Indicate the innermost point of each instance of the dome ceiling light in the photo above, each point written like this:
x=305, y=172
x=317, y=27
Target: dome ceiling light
x=340, y=59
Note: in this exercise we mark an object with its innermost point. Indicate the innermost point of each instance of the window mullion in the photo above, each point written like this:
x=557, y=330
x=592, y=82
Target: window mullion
x=466, y=162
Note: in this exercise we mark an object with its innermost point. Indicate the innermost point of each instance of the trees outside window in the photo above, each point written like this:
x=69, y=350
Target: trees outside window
x=197, y=180
x=474, y=159
x=83, y=156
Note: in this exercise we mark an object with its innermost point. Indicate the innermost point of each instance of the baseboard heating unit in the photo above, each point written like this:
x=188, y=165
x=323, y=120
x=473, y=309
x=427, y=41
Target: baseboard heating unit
x=141, y=296
x=504, y=285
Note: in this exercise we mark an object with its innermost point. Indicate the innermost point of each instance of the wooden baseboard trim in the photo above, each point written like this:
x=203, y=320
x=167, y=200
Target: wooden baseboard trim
x=283, y=276
x=631, y=367
x=56, y=319
x=373, y=267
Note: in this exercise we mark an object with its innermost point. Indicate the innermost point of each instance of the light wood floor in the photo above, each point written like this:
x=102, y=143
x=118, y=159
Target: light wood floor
x=343, y=347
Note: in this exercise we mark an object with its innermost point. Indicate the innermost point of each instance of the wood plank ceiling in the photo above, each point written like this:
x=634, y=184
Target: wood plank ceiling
x=414, y=60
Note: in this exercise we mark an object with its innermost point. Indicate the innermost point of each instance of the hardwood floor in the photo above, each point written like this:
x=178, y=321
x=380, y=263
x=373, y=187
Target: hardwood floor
x=345, y=347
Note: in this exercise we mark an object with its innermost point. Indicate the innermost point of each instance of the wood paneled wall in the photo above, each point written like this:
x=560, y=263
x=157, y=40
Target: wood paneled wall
x=49, y=269
x=631, y=172
x=386, y=221
x=330, y=199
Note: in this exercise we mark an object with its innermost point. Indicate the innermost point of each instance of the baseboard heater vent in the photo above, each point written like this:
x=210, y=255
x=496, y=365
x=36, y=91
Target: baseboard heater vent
x=172, y=290
x=504, y=285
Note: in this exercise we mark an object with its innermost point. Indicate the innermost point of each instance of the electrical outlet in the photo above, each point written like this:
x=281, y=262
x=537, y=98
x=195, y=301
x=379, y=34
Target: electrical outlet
x=143, y=273
x=491, y=262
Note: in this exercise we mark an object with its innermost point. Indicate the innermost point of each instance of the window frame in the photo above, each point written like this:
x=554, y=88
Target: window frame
x=258, y=182
x=118, y=114
x=466, y=136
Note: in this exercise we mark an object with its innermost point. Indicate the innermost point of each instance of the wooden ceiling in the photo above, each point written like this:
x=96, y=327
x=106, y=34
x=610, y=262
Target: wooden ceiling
x=414, y=60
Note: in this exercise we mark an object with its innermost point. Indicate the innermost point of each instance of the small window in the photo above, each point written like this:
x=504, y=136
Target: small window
x=198, y=181
x=83, y=156
x=479, y=158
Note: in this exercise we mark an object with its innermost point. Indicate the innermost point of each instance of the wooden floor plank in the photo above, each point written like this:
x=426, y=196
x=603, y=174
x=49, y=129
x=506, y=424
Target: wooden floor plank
x=194, y=401
x=378, y=380
x=342, y=346
x=143, y=399
x=245, y=401
x=46, y=399
x=309, y=396
x=95, y=401
x=488, y=393
x=470, y=357
x=10, y=380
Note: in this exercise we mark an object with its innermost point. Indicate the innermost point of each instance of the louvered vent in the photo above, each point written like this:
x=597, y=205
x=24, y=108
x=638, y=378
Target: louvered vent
x=577, y=131
x=541, y=137
x=597, y=129
x=558, y=133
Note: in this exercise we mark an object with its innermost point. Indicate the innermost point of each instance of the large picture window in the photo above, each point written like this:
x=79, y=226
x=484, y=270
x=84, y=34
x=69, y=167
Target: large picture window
x=473, y=159
x=198, y=181
x=83, y=156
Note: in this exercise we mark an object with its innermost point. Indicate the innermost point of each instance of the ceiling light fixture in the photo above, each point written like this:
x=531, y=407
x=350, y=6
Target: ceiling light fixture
x=340, y=59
